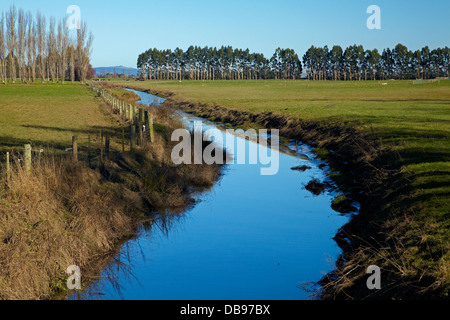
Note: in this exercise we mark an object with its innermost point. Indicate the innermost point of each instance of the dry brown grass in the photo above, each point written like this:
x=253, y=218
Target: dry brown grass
x=65, y=213
x=58, y=215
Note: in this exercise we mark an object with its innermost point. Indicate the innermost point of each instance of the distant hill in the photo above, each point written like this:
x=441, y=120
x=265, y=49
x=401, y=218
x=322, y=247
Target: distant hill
x=118, y=69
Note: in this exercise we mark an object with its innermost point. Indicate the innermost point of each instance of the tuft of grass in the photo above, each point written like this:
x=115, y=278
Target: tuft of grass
x=321, y=153
x=342, y=204
x=315, y=187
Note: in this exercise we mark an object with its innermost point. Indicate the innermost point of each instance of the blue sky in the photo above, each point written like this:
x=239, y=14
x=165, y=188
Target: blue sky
x=124, y=29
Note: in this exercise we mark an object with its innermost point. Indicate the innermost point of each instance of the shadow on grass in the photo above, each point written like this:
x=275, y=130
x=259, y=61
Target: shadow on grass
x=94, y=130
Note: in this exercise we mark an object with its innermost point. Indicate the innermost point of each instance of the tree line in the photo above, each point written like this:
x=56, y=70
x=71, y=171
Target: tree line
x=32, y=49
x=320, y=63
x=225, y=63
x=355, y=63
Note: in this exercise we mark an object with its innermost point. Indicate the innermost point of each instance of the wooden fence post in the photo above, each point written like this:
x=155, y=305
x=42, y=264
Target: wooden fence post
x=132, y=137
x=8, y=172
x=141, y=140
x=28, y=157
x=150, y=128
x=75, y=148
x=141, y=115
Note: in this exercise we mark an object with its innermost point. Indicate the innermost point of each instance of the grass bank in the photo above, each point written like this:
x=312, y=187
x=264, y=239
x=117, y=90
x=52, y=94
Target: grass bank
x=387, y=142
x=66, y=213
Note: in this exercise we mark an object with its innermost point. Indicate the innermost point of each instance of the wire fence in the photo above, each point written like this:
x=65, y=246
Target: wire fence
x=95, y=147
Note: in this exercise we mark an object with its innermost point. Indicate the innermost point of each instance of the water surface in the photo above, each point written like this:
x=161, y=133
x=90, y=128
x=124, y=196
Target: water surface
x=252, y=237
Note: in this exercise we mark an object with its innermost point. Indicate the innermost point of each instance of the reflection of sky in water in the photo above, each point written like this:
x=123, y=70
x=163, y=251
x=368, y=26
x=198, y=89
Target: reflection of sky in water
x=253, y=237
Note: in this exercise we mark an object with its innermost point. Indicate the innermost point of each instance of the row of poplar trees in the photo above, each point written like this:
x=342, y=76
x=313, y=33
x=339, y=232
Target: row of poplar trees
x=320, y=63
x=225, y=63
x=355, y=63
x=33, y=50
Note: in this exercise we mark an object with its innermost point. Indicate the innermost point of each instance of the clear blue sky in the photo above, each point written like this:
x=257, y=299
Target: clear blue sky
x=124, y=29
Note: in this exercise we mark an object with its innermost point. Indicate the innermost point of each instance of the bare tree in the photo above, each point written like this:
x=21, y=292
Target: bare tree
x=72, y=53
x=31, y=48
x=21, y=44
x=83, y=51
x=40, y=26
x=63, y=47
x=11, y=41
x=2, y=49
x=52, y=59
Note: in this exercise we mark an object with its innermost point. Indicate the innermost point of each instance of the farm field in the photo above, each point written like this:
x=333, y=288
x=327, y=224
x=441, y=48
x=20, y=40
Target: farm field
x=47, y=116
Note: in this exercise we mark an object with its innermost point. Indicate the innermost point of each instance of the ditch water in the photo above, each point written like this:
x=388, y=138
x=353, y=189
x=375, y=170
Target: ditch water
x=252, y=237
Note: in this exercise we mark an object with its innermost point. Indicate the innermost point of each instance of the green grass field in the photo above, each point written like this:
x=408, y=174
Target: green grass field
x=47, y=116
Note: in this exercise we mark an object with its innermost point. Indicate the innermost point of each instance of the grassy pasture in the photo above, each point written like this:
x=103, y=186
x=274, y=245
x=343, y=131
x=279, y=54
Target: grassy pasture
x=47, y=116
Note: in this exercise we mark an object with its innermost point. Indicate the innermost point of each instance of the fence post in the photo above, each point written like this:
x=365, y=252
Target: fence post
x=75, y=148
x=28, y=157
x=141, y=140
x=8, y=172
x=150, y=128
x=132, y=137
x=141, y=115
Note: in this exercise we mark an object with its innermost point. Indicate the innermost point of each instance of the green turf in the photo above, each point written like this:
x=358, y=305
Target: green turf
x=47, y=116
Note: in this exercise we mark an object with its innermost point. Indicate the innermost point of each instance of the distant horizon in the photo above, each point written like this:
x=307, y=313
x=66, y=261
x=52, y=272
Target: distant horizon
x=119, y=66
